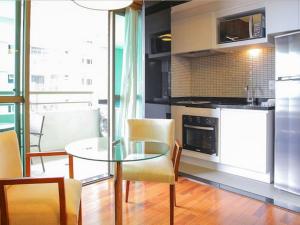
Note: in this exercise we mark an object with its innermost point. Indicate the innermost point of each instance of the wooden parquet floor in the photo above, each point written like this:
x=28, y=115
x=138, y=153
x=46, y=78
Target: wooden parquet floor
x=198, y=204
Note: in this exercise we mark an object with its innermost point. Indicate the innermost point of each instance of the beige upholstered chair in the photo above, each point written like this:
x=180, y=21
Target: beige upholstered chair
x=34, y=201
x=163, y=169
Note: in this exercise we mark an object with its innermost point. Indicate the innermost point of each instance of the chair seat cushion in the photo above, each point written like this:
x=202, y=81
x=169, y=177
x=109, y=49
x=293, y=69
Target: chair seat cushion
x=155, y=170
x=36, y=204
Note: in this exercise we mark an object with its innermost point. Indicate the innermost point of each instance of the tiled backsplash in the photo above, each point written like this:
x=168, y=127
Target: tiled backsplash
x=224, y=75
x=181, y=77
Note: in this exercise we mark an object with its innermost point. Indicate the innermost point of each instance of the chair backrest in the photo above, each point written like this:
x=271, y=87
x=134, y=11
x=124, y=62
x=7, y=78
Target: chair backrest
x=161, y=130
x=10, y=161
x=36, y=123
x=176, y=155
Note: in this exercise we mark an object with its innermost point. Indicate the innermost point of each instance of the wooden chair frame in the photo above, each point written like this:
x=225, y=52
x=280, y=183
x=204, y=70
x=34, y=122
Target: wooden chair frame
x=28, y=180
x=177, y=150
x=176, y=155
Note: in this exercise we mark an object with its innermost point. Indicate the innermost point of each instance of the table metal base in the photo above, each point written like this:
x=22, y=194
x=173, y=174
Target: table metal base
x=118, y=194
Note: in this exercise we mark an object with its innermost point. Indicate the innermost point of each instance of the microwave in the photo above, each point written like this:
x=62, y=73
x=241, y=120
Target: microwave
x=241, y=28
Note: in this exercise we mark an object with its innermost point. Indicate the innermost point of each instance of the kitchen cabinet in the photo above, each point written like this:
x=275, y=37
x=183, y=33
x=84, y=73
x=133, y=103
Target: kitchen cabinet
x=193, y=33
x=177, y=113
x=157, y=111
x=156, y=23
x=157, y=61
x=196, y=32
x=282, y=16
x=247, y=139
x=239, y=8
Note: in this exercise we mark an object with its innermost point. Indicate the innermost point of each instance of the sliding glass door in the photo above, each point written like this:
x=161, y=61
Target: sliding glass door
x=11, y=78
x=68, y=83
x=59, y=71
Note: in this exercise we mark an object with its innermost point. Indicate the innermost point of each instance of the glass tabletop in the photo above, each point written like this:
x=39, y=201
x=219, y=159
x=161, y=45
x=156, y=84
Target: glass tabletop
x=96, y=149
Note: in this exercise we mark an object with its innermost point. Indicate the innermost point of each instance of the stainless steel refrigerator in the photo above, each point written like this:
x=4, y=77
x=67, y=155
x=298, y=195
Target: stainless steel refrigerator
x=287, y=113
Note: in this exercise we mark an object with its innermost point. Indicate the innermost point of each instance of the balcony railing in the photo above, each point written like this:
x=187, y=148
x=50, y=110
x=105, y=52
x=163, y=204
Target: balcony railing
x=69, y=116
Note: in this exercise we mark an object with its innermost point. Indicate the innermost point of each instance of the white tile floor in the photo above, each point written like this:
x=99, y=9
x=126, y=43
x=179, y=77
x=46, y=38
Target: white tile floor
x=244, y=184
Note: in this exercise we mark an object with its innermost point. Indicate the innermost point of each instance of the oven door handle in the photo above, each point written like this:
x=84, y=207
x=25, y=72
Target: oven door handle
x=199, y=127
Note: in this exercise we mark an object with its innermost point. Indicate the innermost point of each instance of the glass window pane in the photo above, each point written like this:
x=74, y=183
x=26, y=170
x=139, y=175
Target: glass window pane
x=7, y=47
x=7, y=117
x=68, y=81
x=11, y=118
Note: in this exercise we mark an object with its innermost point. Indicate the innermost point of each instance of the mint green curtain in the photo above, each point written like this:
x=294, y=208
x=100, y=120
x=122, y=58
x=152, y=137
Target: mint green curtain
x=131, y=86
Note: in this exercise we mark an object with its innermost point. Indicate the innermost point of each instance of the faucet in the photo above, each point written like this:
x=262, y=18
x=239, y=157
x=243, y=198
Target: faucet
x=250, y=94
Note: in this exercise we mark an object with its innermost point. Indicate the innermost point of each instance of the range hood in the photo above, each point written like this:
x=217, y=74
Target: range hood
x=201, y=53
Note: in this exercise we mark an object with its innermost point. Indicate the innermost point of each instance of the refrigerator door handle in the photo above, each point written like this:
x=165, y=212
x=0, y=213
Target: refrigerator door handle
x=288, y=34
x=297, y=77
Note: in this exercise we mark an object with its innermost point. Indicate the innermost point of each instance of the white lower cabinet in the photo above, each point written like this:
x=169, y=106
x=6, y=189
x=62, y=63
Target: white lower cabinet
x=247, y=139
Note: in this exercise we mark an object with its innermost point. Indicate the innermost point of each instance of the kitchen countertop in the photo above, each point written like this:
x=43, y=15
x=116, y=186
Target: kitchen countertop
x=219, y=102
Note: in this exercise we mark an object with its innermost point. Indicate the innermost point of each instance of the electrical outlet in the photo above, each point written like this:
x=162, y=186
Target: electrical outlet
x=271, y=84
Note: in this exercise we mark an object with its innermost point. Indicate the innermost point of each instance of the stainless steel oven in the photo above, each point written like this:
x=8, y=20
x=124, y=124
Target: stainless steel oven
x=200, y=134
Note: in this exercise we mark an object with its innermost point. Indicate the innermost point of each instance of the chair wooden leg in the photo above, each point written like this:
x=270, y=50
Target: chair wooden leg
x=175, y=204
x=172, y=203
x=127, y=190
x=80, y=215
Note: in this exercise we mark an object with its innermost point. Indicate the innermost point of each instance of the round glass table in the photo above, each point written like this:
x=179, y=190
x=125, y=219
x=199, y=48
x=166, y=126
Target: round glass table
x=96, y=149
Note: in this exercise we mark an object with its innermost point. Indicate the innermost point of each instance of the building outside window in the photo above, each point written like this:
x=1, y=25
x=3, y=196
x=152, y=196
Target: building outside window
x=10, y=78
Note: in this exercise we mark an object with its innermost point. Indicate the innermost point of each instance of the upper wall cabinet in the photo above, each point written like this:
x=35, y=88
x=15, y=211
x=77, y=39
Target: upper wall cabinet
x=193, y=33
x=282, y=16
x=195, y=24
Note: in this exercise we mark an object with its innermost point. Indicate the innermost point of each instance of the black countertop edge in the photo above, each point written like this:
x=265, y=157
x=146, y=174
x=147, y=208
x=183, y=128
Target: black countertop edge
x=225, y=106
x=167, y=102
x=228, y=100
x=220, y=102
x=174, y=100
